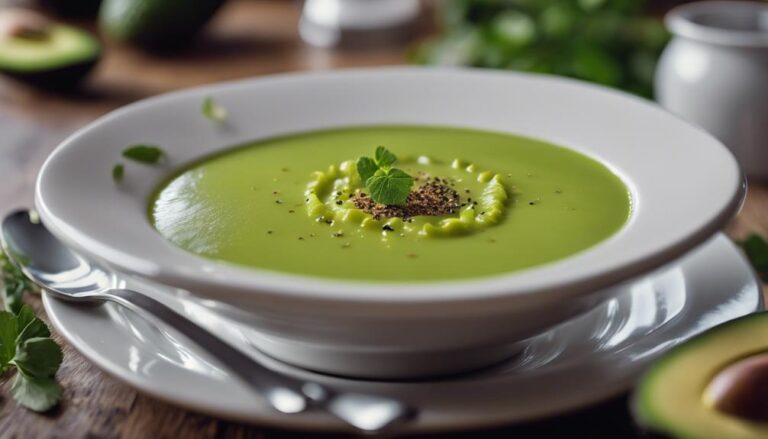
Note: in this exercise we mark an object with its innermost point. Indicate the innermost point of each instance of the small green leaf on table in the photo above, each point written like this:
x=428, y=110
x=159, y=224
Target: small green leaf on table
x=38, y=357
x=38, y=394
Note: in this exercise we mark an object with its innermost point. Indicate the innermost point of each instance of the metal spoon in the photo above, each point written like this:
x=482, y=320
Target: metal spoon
x=68, y=276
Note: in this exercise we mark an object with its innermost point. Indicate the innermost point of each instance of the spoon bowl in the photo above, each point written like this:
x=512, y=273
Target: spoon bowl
x=49, y=263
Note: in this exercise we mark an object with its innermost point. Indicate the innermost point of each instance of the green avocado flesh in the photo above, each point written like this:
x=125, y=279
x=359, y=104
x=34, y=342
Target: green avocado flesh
x=64, y=46
x=249, y=206
x=672, y=397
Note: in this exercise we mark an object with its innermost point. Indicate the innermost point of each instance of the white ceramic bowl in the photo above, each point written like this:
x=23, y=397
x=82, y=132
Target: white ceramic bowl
x=685, y=185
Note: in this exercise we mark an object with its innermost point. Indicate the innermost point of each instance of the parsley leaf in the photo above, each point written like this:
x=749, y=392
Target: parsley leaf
x=38, y=394
x=386, y=184
x=38, y=357
x=34, y=329
x=8, y=332
x=144, y=153
x=24, y=317
x=117, y=172
x=384, y=158
x=366, y=167
x=26, y=344
x=391, y=187
x=756, y=249
x=14, y=284
x=14, y=291
x=213, y=111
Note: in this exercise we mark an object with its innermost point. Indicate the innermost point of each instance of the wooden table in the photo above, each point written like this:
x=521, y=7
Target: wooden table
x=248, y=38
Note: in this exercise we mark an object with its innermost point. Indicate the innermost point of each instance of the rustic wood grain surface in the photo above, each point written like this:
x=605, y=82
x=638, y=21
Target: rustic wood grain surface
x=248, y=38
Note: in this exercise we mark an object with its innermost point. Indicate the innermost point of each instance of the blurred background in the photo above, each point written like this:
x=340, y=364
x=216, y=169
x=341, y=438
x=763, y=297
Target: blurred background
x=152, y=46
x=119, y=51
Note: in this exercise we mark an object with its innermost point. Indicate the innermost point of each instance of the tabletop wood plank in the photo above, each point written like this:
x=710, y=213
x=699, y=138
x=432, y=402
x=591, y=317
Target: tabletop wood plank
x=249, y=38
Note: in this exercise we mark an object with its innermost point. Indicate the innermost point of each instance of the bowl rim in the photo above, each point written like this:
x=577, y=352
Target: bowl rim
x=235, y=284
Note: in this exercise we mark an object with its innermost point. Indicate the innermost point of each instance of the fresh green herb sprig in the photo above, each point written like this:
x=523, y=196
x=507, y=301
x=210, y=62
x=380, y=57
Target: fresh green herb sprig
x=756, y=249
x=386, y=184
x=14, y=284
x=610, y=42
x=213, y=111
x=25, y=344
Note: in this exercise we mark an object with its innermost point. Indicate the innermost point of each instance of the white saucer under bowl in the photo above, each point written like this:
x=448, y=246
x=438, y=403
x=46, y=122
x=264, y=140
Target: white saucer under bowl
x=588, y=359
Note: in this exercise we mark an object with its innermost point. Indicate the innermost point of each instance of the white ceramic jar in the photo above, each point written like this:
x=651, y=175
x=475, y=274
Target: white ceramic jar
x=357, y=23
x=714, y=73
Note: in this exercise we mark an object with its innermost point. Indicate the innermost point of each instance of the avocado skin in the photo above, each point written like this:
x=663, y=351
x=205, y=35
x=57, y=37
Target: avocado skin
x=156, y=24
x=72, y=8
x=65, y=78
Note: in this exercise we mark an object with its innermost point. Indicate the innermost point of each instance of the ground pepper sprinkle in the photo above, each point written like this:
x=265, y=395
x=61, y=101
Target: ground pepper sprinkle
x=433, y=198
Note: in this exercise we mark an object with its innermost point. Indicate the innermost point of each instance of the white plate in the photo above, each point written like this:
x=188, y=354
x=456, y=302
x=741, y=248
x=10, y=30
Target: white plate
x=583, y=361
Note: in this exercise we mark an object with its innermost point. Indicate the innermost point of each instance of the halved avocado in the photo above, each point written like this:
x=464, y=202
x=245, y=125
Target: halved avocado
x=56, y=56
x=713, y=386
x=156, y=24
x=73, y=8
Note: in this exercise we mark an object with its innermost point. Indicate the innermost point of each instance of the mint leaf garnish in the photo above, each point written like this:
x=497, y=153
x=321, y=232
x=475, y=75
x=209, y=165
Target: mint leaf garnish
x=384, y=158
x=387, y=185
x=390, y=188
x=38, y=394
x=366, y=167
x=144, y=153
x=213, y=111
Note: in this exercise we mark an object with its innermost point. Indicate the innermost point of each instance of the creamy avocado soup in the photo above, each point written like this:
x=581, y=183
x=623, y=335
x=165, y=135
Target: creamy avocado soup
x=481, y=203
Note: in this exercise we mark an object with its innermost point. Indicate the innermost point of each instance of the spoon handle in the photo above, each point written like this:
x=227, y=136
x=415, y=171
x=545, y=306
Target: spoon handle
x=284, y=393
x=371, y=414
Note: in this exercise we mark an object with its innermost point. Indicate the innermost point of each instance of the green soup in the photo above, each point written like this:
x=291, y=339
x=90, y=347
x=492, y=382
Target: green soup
x=284, y=205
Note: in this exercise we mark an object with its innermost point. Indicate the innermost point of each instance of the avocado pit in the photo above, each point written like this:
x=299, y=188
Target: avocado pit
x=21, y=23
x=741, y=389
